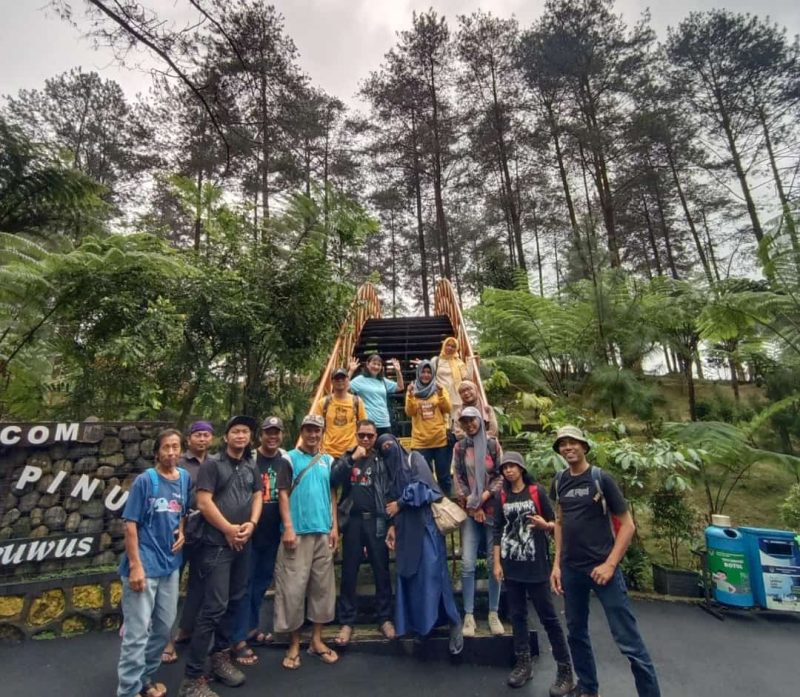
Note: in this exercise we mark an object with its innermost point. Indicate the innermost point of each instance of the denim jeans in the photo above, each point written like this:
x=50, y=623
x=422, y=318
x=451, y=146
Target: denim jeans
x=262, y=571
x=440, y=457
x=471, y=533
x=578, y=586
x=149, y=615
x=224, y=573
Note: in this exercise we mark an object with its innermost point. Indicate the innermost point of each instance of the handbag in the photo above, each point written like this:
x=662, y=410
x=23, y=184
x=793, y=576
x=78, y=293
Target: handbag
x=447, y=515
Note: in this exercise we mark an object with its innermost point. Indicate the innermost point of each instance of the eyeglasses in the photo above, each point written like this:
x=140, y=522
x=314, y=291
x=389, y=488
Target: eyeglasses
x=365, y=435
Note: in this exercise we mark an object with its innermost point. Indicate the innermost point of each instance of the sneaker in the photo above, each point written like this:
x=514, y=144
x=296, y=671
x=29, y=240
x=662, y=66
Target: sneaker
x=456, y=639
x=495, y=625
x=197, y=687
x=522, y=672
x=224, y=671
x=564, y=683
x=468, y=628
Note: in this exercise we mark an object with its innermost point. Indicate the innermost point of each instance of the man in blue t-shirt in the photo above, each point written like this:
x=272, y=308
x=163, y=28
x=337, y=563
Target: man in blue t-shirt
x=304, y=569
x=153, y=515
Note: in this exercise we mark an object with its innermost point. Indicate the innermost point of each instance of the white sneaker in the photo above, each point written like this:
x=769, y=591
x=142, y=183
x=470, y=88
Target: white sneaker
x=495, y=625
x=468, y=630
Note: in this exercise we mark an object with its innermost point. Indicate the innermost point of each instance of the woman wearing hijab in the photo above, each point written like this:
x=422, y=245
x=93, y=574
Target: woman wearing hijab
x=374, y=388
x=429, y=408
x=478, y=480
x=450, y=371
x=468, y=391
x=424, y=597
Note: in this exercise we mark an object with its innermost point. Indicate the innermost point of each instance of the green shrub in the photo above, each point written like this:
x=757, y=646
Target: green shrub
x=790, y=508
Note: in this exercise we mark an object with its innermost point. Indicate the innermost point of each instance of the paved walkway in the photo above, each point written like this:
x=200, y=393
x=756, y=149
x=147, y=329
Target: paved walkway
x=696, y=656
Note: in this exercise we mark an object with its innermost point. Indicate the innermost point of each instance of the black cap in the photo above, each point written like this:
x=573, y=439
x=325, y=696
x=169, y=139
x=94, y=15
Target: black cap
x=340, y=373
x=272, y=422
x=241, y=420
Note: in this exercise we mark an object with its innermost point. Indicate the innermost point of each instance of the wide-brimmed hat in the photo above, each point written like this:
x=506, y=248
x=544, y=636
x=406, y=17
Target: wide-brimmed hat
x=571, y=432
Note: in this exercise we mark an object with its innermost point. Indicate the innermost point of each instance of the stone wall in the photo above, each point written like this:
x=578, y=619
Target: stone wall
x=113, y=454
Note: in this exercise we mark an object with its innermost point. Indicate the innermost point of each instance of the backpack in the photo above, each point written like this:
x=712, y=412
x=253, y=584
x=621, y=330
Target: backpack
x=185, y=483
x=327, y=402
x=533, y=492
x=597, y=477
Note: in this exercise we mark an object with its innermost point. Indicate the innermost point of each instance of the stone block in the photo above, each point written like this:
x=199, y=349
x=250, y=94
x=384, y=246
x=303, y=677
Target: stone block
x=93, y=509
x=76, y=624
x=44, y=482
x=105, y=541
x=48, y=500
x=131, y=451
x=58, y=451
x=6, y=533
x=11, y=605
x=22, y=528
x=128, y=434
x=76, y=452
x=115, y=460
x=9, y=634
x=41, y=531
x=28, y=502
x=37, y=516
x=86, y=465
x=111, y=622
x=55, y=518
x=90, y=525
x=10, y=502
x=47, y=607
x=146, y=448
x=114, y=593
x=71, y=504
x=110, y=444
x=117, y=527
x=62, y=466
x=11, y=516
x=89, y=597
x=73, y=521
x=93, y=432
x=105, y=472
x=41, y=460
x=107, y=558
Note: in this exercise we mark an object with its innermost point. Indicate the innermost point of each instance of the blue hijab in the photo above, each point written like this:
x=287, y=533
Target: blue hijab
x=421, y=390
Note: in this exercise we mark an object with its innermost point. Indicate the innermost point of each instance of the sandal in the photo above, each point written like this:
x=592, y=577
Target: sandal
x=169, y=657
x=243, y=655
x=388, y=630
x=153, y=689
x=343, y=637
x=291, y=662
x=260, y=639
x=328, y=656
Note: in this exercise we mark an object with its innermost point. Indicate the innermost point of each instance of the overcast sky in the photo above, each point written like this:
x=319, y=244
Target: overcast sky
x=339, y=41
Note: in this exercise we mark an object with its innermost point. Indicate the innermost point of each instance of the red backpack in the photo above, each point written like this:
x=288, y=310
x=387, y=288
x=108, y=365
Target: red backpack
x=533, y=492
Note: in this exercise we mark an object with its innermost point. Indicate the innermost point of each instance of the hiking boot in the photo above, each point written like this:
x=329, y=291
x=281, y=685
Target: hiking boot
x=495, y=625
x=196, y=687
x=456, y=639
x=224, y=671
x=522, y=672
x=564, y=683
x=468, y=628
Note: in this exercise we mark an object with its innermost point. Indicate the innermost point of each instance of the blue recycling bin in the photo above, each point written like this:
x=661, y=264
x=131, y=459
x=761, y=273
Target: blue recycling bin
x=728, y=566
x=774, y=559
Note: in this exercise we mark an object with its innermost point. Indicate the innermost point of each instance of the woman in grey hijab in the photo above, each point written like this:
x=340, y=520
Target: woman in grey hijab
x=477, y=481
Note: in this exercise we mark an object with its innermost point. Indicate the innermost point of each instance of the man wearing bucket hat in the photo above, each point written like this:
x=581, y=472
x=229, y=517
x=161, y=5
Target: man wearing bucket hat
x=305, y=585
x=229, y=498
x=522, y=524
x=587, y=557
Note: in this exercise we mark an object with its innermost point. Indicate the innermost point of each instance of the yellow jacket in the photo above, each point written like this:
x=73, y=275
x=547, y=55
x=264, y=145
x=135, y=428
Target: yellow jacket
x=428, y=420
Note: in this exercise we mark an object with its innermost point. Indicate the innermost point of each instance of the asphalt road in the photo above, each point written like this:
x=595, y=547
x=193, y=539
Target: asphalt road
x=695, y=654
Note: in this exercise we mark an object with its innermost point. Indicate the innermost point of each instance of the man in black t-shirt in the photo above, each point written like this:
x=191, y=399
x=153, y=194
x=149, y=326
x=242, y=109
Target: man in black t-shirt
x=523, y=520
x=271, y=461
x=587, y=559
x=361, y=474
x=229, y=498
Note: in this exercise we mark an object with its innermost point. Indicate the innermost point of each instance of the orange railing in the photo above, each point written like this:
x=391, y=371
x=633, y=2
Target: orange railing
x=367, y=305
x=446, y=303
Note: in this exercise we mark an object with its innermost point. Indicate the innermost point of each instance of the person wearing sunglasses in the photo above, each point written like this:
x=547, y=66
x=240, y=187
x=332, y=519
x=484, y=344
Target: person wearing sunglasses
x=362, y=475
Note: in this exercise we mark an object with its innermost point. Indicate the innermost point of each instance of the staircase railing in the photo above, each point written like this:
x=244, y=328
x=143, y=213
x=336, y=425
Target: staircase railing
x=446, y=303
x=366, y=305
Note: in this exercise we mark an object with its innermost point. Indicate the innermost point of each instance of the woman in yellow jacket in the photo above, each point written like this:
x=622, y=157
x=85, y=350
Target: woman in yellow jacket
x=429, y=406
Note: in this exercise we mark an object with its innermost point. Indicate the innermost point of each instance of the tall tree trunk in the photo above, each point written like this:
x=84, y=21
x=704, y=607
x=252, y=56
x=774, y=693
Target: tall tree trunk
x=686, y=364
x=538, y=248
x=438, y=173
x=651, y=234
x=665, y=228
x=420, y=224
x=198, y=214
x=265, y=149
x=711, y=254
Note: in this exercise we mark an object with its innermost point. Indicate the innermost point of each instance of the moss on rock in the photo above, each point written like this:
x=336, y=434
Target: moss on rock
x=11, y=605
x=47, y=607
x=87, y=597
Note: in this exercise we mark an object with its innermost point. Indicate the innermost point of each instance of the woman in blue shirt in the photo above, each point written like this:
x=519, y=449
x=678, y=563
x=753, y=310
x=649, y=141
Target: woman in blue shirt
x=374, y=388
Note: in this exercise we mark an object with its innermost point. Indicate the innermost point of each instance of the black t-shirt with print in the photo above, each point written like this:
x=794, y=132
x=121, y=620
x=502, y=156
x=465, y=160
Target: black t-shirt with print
x=524, y=550
x=357, y=478
x=234, y=499
x=269, y=525
x=586, y=536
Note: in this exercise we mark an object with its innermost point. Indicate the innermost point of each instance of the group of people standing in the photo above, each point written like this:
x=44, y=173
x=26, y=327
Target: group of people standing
x=244, y=518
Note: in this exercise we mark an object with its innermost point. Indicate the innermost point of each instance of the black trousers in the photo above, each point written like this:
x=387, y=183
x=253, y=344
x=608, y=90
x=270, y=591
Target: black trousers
x=517, y=594
x=361, y=533
x=194, y=588
x=224, y=574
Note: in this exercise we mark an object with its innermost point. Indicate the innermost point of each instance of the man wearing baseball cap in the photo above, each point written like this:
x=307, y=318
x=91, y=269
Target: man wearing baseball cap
x=341, y=411
x=587, y=557
x=198, y=441
x=271, y=460
x=229, y=498
x=304, y=569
